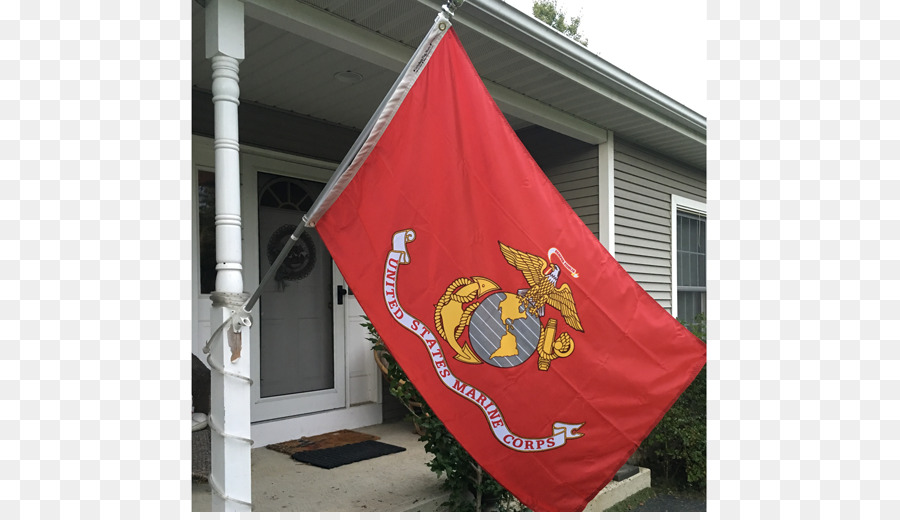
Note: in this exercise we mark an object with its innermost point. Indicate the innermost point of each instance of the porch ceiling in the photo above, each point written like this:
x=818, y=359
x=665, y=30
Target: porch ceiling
x=292, y=66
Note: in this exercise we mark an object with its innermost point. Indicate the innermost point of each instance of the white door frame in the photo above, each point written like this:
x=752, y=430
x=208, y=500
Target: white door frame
x=269, y=408
x=363, y=403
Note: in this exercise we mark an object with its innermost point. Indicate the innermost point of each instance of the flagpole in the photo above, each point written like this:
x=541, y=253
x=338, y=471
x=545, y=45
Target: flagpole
x=390, y=103
x=365, y=141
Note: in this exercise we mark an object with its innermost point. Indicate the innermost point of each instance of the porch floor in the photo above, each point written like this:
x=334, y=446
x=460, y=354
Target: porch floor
x=396, y=482
x=399, y=482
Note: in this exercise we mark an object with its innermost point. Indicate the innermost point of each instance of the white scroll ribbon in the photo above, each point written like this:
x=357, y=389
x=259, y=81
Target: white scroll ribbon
x=561, y=431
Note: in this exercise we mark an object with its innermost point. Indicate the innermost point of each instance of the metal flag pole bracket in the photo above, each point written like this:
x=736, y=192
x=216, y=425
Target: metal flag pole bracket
x=451, y=6
x=239, y=318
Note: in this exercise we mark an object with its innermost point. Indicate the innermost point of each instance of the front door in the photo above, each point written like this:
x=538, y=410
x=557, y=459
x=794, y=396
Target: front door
x=301, y=369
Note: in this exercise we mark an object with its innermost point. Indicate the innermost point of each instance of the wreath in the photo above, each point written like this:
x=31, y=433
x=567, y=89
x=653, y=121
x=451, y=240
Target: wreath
x=300, y=260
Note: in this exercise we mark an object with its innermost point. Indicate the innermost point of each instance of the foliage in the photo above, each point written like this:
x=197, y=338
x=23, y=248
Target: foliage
x=470, y=487
x=676, y=448
x=549, y=12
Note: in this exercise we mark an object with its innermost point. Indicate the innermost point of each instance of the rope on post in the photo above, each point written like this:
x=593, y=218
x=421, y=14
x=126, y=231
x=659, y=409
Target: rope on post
x=213, y=425
x=215, y=487
x=239, y=318
x=220, y=369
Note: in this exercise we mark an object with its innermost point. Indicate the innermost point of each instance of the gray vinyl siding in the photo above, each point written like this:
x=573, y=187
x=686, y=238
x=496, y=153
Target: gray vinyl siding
x=572, y=166
x=644, y=183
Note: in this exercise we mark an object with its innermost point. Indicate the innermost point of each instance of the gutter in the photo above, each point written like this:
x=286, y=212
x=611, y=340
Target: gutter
x=528, y=32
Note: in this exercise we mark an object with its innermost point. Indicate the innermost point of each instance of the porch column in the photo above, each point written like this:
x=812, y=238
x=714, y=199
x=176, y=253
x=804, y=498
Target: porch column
x=606, y=152
x=230, y=352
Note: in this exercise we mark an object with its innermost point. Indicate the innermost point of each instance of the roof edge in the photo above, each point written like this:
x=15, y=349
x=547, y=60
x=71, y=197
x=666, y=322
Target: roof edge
x=532, y=32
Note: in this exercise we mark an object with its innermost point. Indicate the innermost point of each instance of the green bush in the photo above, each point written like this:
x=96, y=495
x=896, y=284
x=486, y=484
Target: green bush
x=676, y=448
x=470, y=487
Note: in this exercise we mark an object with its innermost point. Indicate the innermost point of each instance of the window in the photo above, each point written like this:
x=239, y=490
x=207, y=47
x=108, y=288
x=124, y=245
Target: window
x=688, y=258
x=206, y=218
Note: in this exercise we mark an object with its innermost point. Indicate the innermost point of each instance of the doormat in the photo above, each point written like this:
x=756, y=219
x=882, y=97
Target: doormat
x=200, y=448
x=329, y=458
x=318, y=442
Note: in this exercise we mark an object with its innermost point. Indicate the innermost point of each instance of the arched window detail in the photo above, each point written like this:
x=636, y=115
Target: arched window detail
x=284, y=193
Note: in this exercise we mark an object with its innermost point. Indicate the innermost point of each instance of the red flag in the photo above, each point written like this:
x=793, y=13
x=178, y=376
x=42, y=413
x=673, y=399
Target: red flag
x=540, y=354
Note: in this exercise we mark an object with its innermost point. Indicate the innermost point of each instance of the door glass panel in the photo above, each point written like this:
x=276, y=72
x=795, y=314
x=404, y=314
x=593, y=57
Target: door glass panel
x=206, y=222
x=296, y=320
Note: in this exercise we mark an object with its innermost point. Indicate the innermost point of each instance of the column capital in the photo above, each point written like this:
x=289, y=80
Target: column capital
x=225, y=28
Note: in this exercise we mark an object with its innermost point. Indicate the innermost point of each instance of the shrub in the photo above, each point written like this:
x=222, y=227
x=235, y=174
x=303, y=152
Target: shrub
x=676, y=448
x=470, y=487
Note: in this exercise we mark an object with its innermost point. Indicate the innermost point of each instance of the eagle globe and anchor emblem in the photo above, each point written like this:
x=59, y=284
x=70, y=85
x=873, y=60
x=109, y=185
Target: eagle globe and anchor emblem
x=505, y=329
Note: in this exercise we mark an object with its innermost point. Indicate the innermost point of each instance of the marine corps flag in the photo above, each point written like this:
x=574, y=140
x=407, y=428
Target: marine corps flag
x=540, y=354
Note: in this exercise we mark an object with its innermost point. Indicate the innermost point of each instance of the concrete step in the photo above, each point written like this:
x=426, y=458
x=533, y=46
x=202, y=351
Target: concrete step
x=615, y=492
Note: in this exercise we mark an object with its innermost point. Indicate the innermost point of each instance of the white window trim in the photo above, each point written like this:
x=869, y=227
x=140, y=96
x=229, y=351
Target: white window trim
x=607, y=206
x=692, y=206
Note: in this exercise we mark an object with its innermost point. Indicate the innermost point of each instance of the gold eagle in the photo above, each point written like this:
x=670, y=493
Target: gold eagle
x=542, y=290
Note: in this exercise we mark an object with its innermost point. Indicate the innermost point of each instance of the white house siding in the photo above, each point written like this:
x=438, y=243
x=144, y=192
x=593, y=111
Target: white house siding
x=572, y=166
x=644, y=184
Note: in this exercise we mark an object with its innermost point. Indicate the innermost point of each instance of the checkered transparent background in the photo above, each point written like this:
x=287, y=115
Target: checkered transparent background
x=803, y=242
x=804, y=143
x=95, y=253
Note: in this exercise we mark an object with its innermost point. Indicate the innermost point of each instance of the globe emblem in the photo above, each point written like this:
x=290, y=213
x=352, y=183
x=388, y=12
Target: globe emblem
x=501, y=333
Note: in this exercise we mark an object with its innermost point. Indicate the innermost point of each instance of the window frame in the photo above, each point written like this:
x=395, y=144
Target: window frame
x=687, y=205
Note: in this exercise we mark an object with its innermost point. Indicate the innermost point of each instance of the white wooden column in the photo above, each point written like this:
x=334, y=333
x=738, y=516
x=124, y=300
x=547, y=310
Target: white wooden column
x=230, y=391
x=607, y=173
